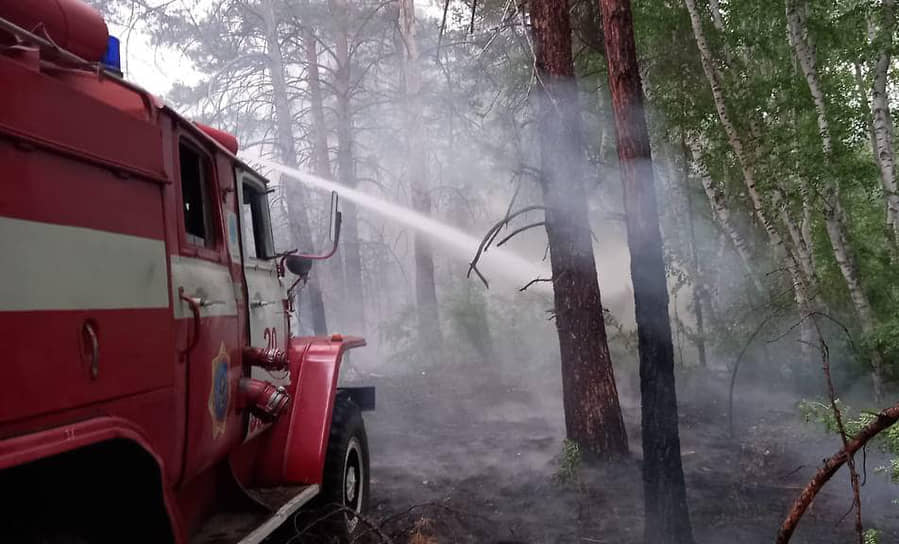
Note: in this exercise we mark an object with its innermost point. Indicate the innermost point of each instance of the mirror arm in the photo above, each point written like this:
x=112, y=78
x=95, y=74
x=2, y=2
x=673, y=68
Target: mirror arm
x=319, y=257
x=333, y=250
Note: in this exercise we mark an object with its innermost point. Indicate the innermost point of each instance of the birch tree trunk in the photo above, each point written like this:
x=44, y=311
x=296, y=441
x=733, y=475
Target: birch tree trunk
x=667, y=519
x=592, y=412
x=294, y=192
x=416, y=156
x=700, y=293
x=722, y=214
x=717, y=19
x=883, y=120
x=800, y=248
x=834, y=216
x=354, y=307
x=800, y=288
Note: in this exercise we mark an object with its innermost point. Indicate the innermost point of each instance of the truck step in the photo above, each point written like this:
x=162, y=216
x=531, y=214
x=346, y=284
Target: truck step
x=252, y=527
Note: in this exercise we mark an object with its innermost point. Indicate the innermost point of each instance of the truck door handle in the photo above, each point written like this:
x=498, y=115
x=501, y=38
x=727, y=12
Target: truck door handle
x=91, y=334
x=261, y=303
x=194, y=304
x=202, y=302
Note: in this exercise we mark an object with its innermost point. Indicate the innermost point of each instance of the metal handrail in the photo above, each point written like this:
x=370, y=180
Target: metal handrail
x=48, y=45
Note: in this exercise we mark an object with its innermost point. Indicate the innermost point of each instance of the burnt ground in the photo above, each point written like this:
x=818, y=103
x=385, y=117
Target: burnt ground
x=458, y=457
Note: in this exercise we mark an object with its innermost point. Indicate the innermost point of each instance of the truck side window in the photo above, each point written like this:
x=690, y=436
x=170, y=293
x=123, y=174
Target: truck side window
x=258, y=242
x=195, y=195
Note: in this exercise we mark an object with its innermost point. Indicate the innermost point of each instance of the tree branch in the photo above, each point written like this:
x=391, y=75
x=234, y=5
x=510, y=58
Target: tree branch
x=884, y=420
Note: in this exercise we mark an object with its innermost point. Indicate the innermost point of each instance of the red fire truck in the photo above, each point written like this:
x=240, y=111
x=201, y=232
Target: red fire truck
x=151, y=390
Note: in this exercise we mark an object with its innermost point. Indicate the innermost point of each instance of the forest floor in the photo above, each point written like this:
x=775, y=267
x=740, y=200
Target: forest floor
x=458, y=456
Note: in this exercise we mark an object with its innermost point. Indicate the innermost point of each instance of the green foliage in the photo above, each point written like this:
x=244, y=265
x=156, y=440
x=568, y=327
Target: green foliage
x=569, y=463
x=872, y=536
x=821, y=412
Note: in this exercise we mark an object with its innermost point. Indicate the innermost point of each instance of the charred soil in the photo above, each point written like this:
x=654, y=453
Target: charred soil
x=457, y=459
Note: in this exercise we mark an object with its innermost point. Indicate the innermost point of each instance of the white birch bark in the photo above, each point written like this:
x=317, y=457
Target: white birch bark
x=717, y=19
x=800, y=289
x=721, y=211
x=883, y=121
x=834, y=216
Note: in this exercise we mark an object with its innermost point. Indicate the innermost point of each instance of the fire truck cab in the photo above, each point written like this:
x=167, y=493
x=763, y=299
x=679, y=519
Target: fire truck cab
x=152, y=390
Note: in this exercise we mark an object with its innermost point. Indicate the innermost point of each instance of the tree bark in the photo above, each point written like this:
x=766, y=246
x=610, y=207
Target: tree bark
x=883, y=421
x=416, y=156
x=717, y=19
x=321, y=166
x=346, y=172
x=294, y=192
x=721, y=211
x=667, y=518
x=834, y=215
x=800, y=287
x=883, y=119
x=592, y=412
x=700, y=293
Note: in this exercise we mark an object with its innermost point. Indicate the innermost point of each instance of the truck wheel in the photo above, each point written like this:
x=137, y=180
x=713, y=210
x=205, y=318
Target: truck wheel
x=346, y=480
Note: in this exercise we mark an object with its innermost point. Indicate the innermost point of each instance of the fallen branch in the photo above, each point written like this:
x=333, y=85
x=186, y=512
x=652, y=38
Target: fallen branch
x=884, y=420
x=340, y=509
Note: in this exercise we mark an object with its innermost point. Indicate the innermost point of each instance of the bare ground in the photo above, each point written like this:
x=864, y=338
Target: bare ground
x=458, y=456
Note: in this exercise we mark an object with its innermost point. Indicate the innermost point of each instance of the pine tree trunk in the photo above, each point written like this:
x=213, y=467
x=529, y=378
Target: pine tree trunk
x=667, y=519
x=321, y=166
x=294, y=192
x=354, y=307
x=592, y=412
x=834, y=216
x=321, y=162
x=416, y=157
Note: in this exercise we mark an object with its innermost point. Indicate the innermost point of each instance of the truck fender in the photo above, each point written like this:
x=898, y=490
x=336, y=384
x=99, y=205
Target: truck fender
x=18, y=450
x=294, y=452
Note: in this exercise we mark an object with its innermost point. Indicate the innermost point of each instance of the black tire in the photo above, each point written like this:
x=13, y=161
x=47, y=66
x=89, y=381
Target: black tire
x=346, y=477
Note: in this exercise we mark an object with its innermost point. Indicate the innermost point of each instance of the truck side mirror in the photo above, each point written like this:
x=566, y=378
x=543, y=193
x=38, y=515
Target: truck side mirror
x=298, y=265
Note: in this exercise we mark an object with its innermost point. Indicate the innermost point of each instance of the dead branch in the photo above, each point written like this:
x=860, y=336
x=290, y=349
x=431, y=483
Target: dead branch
x=884, y=420
x=853, y=474
x=533, y=281
x=520, y=230
x=491, y=235
x=733, y=375
x=335, y=509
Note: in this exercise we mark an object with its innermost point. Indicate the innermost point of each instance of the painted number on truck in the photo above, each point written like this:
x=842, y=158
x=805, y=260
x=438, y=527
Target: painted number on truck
x=271, y=338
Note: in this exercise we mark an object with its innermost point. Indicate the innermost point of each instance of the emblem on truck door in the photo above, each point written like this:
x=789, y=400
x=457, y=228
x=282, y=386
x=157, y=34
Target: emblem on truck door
x=220, y=392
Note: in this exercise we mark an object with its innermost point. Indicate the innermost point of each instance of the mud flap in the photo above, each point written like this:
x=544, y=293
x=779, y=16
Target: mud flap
x=364, y=397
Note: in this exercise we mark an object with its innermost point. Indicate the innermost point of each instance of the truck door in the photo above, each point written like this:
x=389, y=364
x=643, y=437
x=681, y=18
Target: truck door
x=206, y=309
x=267, y=317
x=266, y=312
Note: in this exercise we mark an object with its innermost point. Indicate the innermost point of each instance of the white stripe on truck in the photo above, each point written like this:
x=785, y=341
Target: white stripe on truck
x=44, y=266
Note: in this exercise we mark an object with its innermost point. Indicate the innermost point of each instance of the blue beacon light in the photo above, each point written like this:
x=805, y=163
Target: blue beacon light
x=111, y=59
